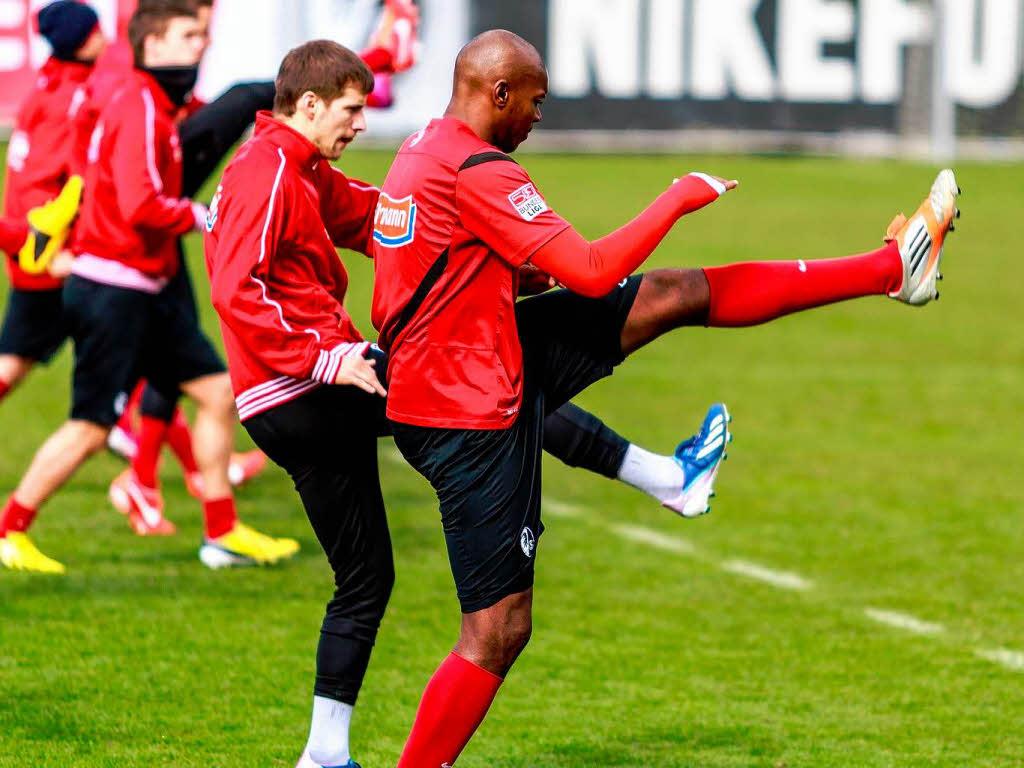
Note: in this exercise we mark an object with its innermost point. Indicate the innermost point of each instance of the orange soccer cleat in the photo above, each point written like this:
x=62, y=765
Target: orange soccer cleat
x=920, y=240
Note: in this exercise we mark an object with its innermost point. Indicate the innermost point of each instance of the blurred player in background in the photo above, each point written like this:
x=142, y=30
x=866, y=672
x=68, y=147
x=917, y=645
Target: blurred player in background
x=207, y=134
x=38, y=167
x=150, y=420
x=124, y=321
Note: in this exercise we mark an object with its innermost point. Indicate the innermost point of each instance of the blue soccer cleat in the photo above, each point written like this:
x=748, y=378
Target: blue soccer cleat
x=700, y=457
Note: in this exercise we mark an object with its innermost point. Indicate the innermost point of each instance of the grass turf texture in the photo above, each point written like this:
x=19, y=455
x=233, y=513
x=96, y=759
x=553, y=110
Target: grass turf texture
x=876, y=456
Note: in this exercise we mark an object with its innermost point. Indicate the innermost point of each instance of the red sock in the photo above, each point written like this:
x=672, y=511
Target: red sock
x=220, y=516
x=179, y=437
x=377, y=59
x=4, y=388
x=152, y=433
x=15, y=517
x=13, y=234
x=756, y=292
x=452, y=708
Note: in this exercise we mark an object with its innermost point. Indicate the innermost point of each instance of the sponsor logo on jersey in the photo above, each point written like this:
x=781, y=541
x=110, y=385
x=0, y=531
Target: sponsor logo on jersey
x=528, y=542
x=528, y=202
x=394, y=223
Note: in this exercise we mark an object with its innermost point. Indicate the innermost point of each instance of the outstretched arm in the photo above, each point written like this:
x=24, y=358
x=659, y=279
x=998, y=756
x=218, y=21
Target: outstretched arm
x=594, y=268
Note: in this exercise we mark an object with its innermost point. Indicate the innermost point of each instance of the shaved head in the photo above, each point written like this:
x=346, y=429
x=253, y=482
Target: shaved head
x=495, y=55
x=499, y=84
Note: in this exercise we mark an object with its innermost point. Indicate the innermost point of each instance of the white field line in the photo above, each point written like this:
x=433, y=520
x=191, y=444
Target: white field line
x=394, y=456
x=560, y=508
x=781, y=579
x=904, y=621
x=1009, y=659
x=654, y=539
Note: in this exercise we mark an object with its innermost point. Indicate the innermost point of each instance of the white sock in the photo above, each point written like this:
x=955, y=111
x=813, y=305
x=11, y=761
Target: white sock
x=656, y=475
x=328, y=732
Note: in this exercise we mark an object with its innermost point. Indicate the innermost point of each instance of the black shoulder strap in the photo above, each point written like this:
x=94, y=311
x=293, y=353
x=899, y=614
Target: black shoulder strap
x=485, y=157
x=419, y=295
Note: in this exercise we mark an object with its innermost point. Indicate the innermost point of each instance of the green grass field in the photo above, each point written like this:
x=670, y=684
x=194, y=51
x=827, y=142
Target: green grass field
x=877, y=461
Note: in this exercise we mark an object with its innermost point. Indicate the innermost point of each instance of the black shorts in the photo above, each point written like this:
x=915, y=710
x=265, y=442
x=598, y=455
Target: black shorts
x=123, y=335
x=34, y=325
x=488, y=482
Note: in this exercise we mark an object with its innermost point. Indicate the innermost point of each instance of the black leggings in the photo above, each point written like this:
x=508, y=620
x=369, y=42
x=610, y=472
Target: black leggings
x=327, y=442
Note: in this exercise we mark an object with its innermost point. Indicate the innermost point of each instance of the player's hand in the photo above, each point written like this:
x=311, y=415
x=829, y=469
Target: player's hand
x=532, y=281
x=199, y=213
x=359, y=372
x=728, y=184
x=60, y=265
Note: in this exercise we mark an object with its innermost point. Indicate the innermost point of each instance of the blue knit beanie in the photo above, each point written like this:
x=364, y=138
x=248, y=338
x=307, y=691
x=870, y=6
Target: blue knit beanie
x=66, y=24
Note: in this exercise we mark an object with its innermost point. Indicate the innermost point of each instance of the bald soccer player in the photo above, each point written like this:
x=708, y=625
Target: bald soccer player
x=472, y=373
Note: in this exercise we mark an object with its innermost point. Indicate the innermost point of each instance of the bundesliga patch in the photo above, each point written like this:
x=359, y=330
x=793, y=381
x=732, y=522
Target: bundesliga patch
x=394, y=223
x=528, y=202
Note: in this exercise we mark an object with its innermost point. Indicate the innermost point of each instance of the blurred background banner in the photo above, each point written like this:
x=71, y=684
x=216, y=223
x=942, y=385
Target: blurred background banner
x=863, y=76
x=22, y=51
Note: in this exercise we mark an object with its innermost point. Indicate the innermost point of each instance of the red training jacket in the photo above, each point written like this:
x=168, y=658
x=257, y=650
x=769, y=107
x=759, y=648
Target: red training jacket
x=38, y=153
x=277, y=283
x=132, y=212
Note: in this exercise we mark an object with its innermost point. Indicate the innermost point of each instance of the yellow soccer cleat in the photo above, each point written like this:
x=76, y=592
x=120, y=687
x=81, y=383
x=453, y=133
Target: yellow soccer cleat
x=243, y=545
x=50, y=225
x=18, y=553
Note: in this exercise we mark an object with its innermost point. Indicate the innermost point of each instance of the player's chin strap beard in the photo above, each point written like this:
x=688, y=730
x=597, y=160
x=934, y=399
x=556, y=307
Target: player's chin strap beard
x=176, y=82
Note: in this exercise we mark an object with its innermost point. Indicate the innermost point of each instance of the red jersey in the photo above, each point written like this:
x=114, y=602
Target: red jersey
x=132, y=214
x=37, y=156
x=277, y=283
x=456, y=220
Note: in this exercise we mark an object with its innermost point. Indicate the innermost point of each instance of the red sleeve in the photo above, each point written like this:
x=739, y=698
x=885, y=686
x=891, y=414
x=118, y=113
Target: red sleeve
x=593, y=269
x=498, y=203
x=348, y=209
x=140, y=197
x=250, y=227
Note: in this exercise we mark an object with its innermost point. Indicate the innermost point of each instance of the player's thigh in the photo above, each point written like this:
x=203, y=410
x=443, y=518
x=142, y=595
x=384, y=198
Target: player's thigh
x=488, y=485
x=108, y=326
x=34, y=325
x=328, y=447
x=571, y=341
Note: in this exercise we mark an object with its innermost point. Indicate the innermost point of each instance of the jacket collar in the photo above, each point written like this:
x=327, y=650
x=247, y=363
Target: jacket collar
x=295, y=146
x=75, y=71
x=160, y=99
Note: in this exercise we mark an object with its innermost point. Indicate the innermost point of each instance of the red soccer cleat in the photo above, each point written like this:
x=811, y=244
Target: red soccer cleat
x=245, y=466
x=143, y=506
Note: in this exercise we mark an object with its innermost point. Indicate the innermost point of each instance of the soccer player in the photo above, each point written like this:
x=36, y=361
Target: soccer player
x=307, y=384
x=34, y=327
x=467, y=399
x=123, y=321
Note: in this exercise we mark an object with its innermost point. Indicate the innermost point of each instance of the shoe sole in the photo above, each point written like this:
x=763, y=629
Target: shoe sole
x=216, y=558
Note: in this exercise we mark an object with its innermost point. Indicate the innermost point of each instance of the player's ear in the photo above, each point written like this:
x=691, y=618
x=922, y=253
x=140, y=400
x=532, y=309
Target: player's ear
x=307, y=104
x=500, y=94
